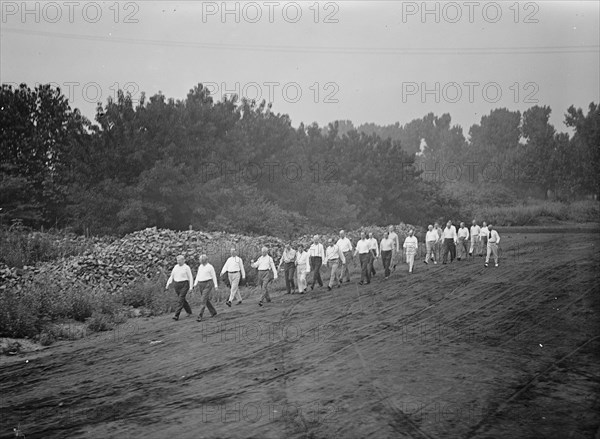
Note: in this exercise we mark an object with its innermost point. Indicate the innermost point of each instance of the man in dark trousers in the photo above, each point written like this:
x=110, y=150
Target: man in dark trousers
x=181, y=275
x=288, y=261
x=205, y=279
x=316, y=254
x=450, y=238
x=364, y=256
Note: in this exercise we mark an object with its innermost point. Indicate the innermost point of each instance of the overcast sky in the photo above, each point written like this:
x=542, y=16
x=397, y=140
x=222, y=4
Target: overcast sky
x=381, y=62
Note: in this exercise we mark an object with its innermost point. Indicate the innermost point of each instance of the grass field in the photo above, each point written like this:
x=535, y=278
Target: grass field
x=449, y=351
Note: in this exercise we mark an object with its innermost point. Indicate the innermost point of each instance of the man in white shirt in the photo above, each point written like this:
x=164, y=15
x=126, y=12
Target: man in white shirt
x=492, y=245
x=387, y=252
x=449, y=246
x=182, y=276
x=374, y=249
x=234, y=266
x=475, y=238
x=345, y=246
x=364, y=255
x=440, y=242
x=463, y=241
x=205, y=279
x=266, y=273
x=333, y=258
x=302, y=268
x=395, y=247
x=483, y=234
x=316, y=254
x=411, y=245
x=431, y=239
x=288, y=261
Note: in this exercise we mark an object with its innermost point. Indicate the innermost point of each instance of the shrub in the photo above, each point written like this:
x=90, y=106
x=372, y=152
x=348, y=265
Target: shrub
x=19, y=246
x=99, y=322
x=536, y=213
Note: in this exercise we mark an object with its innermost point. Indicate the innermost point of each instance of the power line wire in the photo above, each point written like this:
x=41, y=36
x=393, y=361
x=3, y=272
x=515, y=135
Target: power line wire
x=322, y=49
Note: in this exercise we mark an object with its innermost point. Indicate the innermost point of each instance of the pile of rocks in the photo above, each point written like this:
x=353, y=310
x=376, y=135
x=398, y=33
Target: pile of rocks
x=145, y=253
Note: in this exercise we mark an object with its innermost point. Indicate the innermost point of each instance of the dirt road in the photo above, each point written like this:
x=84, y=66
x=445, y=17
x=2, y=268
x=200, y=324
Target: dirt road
x=450, y=351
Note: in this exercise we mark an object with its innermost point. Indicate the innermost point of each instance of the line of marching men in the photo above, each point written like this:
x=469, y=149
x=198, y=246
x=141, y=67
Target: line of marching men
x=298, y=264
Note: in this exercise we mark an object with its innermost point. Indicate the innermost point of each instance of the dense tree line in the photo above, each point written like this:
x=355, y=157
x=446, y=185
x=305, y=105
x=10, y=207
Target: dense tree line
x=238, y=166
x=225, y=165
x=508, y=154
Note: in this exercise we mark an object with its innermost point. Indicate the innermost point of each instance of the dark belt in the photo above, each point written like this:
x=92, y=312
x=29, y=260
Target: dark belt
x=204, y=281
x=233, y=272
x=265, y=270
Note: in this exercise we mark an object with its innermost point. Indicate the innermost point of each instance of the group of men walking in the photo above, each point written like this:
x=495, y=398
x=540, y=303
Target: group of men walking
x=447, y=242
x=302, y=266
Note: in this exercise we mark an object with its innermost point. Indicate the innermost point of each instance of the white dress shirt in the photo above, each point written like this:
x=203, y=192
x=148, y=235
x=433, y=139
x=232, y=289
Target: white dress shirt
x=266, y=263
x=484, y=232
x=493, y=237
x=233, y=264
x=387, y=244
x=362, y=247
x=411, y=244
x=449, y=233
x=302, y=259
x=334, y=252
x=316, y=250
x=475, y=231
x=463, y=232
x=345, y=245
x=432, y=236
x=373, y=245
x=287, y=256
x=181, y=273
x=206, y=272
x=395, y=240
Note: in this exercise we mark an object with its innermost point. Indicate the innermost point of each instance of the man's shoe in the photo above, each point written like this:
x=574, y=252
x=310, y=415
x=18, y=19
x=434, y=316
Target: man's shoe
x=328, y=288
x=175, y=317
x=199, y=319
x=361, y=283
x=260, y=304
x=347, y=280
x=214, y=315
x=312, y=287
x=228, y=303
x=240, y=302
x=496, y=265
x=485, y=265
x=458, y=259
x=425, y=262
x=435, y=262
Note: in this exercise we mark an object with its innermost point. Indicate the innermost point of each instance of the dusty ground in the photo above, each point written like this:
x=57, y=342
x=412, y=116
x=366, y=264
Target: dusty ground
x=450, y=351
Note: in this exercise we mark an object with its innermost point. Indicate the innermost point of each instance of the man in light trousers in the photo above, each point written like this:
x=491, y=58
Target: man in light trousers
x=234, y=266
